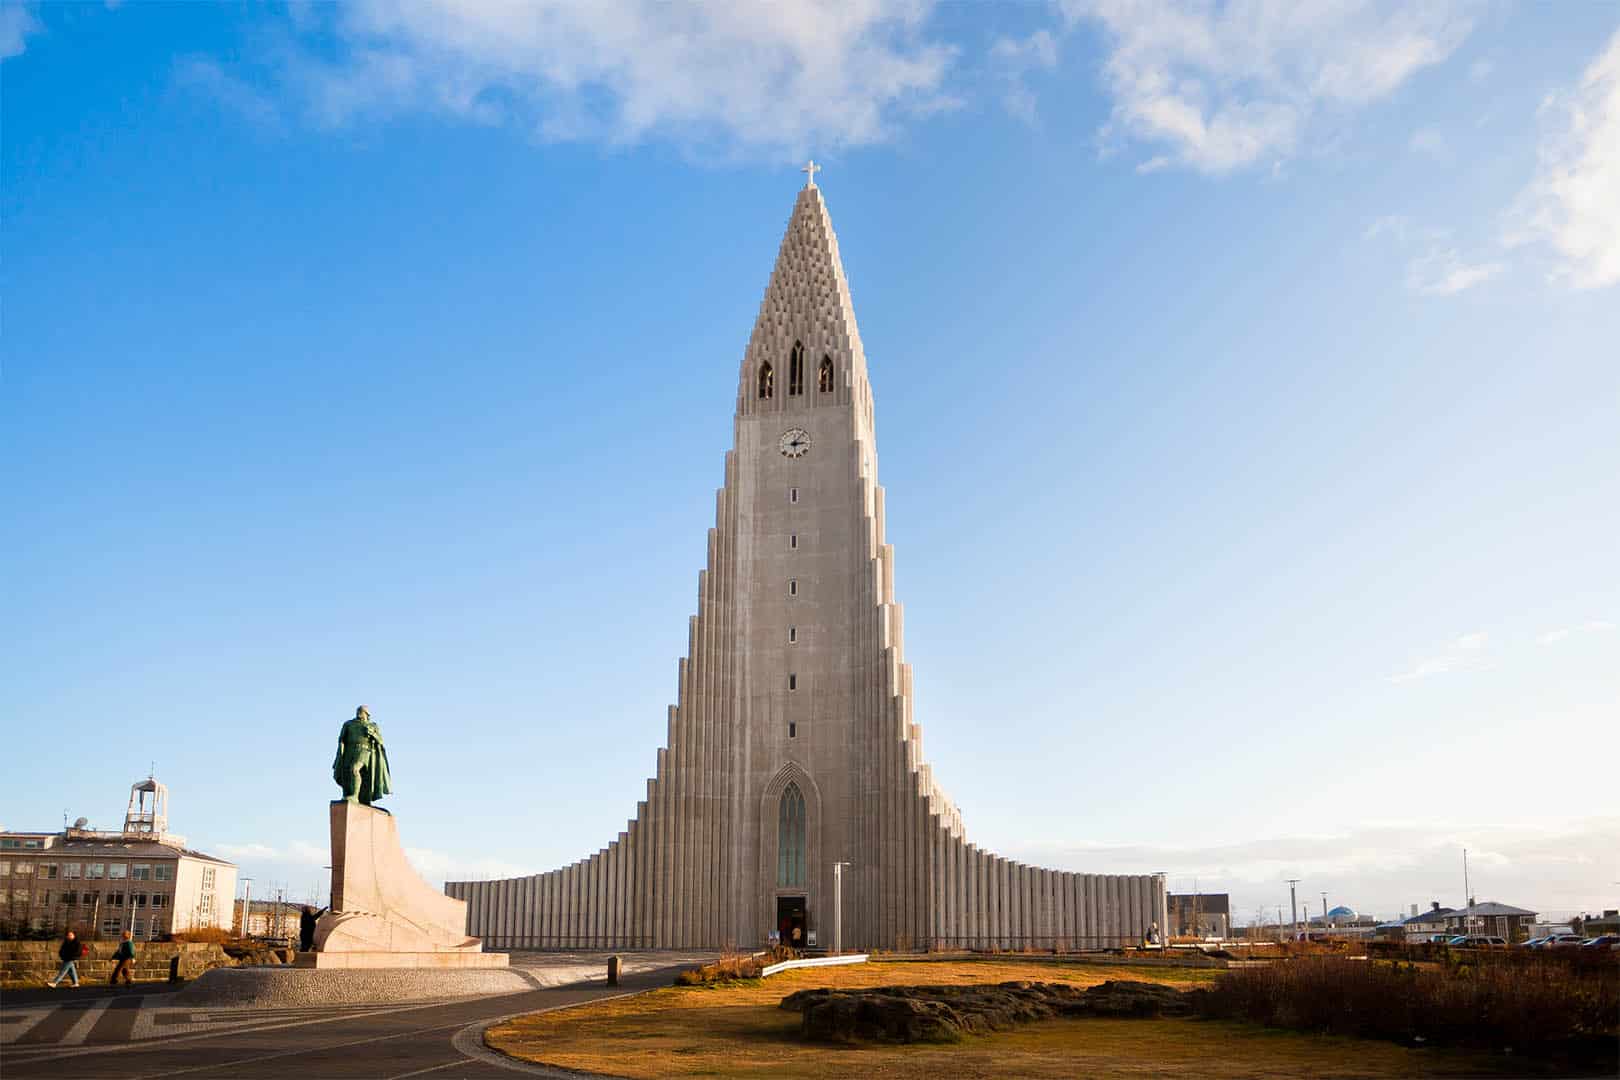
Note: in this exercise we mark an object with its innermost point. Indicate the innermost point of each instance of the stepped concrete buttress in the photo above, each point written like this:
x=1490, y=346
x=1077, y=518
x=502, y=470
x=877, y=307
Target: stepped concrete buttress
x=383, y=914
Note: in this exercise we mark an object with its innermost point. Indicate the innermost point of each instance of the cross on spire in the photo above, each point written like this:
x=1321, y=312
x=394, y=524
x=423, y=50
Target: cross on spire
x=810, y=169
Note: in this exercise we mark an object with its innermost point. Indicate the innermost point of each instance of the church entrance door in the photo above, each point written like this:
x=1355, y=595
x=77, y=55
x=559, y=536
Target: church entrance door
x=792, y=921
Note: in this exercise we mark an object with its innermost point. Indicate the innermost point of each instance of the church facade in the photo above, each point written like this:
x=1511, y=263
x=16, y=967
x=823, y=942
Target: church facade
x=792, y=745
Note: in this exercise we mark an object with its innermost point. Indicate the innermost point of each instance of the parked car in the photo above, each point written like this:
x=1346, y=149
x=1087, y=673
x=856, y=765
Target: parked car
x=1534, y=943
x=1476, y=941
x=1603, y=941
x=1563, y=941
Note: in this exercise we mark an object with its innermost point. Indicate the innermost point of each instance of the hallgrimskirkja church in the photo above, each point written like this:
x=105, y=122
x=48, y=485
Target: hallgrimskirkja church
x=793, y=746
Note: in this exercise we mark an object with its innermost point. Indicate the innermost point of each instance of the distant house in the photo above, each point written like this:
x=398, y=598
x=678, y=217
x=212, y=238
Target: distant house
x=1491, y=918
x=268, y=919
x=1202, y=915
x=1418, y=927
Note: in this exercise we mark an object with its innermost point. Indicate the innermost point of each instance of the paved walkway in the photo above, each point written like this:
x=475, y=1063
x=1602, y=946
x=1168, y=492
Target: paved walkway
x=138, y=1032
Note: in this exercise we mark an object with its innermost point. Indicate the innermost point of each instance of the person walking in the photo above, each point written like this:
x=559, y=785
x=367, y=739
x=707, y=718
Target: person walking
x=125, y=957
x=69, y=954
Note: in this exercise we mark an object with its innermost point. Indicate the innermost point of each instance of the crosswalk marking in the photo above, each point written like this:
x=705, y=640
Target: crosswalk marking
x=81, y=1027
x=19, y=1023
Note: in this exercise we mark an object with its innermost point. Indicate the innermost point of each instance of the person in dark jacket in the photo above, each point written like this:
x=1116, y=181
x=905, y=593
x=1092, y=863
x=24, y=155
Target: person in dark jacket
x=306, y=927
x=126, y=961
x=69, y=954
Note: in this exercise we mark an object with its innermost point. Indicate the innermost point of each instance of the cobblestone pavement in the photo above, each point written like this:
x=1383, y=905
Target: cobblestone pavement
x=140, y=1032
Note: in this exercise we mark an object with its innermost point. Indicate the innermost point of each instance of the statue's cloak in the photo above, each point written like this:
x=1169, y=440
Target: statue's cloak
x=360, y=742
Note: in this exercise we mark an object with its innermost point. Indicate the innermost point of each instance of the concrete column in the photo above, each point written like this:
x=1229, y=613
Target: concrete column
x=1004, y=929
x=1088, y=911
x=571, y=906
x=981, y=901
x=542, y=912
x=663, y=873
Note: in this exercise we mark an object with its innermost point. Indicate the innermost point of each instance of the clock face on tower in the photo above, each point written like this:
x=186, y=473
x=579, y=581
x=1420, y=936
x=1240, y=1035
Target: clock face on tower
x=795, y=442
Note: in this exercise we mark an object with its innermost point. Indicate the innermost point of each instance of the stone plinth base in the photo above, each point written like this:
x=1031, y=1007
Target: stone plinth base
x=291, y=987
x=338, y=961
x=380, y=904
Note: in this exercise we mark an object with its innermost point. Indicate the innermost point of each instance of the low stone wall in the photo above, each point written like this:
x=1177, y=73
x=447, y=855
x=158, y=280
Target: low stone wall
x=32, y=963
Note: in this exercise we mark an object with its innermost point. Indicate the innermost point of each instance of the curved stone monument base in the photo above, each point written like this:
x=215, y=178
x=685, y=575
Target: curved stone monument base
x=383, y=914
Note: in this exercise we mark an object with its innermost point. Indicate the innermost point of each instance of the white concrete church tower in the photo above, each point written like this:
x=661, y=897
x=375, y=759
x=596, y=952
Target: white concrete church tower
x=793, y=745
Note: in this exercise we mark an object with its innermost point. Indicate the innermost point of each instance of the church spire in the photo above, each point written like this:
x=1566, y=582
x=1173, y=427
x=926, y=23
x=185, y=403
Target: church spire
x=806, y=318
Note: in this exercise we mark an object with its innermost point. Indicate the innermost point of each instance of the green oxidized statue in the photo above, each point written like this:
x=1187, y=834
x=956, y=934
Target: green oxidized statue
x=361, y=765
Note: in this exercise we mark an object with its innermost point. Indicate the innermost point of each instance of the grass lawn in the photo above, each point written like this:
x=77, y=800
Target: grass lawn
x=737, y=1030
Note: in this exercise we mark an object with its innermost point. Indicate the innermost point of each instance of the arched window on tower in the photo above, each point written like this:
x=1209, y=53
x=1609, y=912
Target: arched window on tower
x=796, y=369
x=767, y=381
x=824, y=380
x=790, y=837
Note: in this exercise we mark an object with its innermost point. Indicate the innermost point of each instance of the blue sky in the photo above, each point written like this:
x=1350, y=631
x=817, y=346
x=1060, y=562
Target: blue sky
x=1246, y=385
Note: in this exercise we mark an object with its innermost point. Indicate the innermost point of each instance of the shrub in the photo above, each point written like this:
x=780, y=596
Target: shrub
x=205, y=935
x=1493, y=1003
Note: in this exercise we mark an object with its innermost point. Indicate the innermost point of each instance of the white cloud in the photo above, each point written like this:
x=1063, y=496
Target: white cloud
x=1442, y=271
x=16, y=23
x=1572, y=204
x=1591, y=626
x=298, y=852
x=1461, y=654
x=1430, y=143
x=201, y=73
x=1381, y=867
x=1013, y=59
x=442, y=866
x=1223, y=86
x=776, y=79
x=1480, y=70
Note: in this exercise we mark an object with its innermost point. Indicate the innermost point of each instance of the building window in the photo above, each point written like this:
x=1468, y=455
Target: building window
x=796, y=370
x=23, y=869
x=5, y=869
x=793, y=541
x=117, y=871
x=793, y=586
x=793, y=634
x=790, y=833
x=160, y=900
x=19, y=896
x=111, y=926
x=165, y=873
x=95, y=870
x=138, y=900
x=767, y=381
x=47, y=871
x=71, y=869
x=793, y=682
x=115, y=899
x=137, y=928
x=793, y=730
x=141, y=872
x=824, y=378
x=70, y=899
x=793, y=495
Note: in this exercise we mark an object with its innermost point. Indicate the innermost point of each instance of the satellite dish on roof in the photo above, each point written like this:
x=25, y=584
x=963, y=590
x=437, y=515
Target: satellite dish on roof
x=82, y=823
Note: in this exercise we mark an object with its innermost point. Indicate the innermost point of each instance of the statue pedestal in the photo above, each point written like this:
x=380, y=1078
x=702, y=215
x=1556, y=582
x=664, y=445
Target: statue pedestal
x=383, y=914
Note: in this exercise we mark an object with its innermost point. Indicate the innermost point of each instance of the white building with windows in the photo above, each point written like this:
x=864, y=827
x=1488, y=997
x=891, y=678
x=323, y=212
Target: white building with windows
x=141, y=878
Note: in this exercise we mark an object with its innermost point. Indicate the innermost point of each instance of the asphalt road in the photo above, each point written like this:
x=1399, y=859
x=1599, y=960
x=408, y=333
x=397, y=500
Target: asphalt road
x=134, y=1034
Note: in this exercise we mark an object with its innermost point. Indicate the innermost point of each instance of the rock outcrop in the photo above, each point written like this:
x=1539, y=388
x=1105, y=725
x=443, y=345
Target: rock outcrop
x=946, y=1013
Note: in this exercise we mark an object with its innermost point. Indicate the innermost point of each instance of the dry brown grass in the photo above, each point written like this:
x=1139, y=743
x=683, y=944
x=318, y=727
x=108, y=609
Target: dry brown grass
x=736, y=1030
